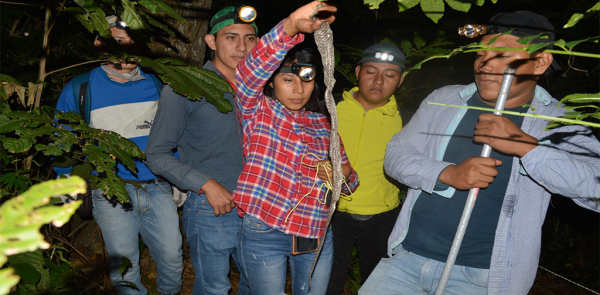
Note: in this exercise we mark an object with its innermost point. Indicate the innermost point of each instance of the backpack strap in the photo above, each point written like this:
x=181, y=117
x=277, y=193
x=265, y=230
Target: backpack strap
x=81, y=95
x=159, y=84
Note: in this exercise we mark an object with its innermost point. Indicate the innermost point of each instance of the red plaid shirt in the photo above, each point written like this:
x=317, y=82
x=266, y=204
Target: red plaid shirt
x=276, y=143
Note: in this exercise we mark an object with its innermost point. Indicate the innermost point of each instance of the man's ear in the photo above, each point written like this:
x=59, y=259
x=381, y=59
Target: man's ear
x=356, y=71
x=210, y=40
x=98, y=42
x=401, y=80
x=543, y=60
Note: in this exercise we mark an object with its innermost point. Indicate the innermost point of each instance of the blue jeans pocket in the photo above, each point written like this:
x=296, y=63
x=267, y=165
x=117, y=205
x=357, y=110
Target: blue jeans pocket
x=165, y=187
x=252, y=224
x=97, y=195
x=477, y=276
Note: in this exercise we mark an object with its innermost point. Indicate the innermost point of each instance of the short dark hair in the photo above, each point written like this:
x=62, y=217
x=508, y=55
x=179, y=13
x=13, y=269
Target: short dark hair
x=313, y=103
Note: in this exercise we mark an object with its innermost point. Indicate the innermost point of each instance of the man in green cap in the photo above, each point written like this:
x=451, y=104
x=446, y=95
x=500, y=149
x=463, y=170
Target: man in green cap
x=209, y=145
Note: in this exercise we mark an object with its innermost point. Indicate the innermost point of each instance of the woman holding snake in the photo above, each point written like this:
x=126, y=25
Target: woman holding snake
x=282, y=190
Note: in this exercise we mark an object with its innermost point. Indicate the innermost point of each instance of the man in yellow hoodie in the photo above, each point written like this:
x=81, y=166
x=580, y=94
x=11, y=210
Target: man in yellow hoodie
x=368, y=117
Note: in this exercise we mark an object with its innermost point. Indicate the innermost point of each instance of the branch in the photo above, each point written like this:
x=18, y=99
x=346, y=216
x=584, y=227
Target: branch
x=76, y=65
x=579, y=122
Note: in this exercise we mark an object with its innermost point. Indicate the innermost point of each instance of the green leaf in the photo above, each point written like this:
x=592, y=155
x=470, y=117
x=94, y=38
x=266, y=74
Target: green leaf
x=17, y=145
x=479, y=2
x=157, y=5
x=193, y=82
x=98, y=19
x=125, y=264
x=404, y=5
x=572, y=44
x=85, y=21
x=535, y=47
x=131, y=17
x=576, y=17
x=9, y=79
x=28, y=273
x=526, y=40
x=581, y=98
x=159, y=25
x=406, y=46
x=373, y=4
x=418, y=40
x=459, y=5
x=434, y=9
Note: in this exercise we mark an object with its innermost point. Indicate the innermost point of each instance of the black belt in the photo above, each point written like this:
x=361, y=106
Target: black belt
x=156, y=180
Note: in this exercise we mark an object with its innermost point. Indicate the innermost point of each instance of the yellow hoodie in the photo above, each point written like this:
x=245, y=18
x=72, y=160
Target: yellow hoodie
x=365, y=135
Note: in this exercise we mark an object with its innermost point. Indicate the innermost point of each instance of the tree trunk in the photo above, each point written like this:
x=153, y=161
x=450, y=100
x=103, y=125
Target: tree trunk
x=188, y=43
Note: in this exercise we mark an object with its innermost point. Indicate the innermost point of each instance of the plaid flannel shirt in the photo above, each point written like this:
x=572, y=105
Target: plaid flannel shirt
x=277, y=145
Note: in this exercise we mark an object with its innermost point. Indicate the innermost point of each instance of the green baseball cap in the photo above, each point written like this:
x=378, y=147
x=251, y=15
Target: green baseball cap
x=231, y=15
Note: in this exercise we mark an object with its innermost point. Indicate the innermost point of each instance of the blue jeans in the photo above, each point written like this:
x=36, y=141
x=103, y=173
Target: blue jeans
x=212, y=241
x=409, y=273
x=151, y=213
x=265, y=254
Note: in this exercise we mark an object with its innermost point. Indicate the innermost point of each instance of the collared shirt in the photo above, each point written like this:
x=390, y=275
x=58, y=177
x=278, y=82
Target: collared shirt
x=366, y=134
x=278, y=186
x=565, y=162
x=209, y=142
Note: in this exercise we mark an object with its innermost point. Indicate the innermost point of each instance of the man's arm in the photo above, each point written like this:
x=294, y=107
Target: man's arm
x=405, y=158
x=167, y=130
x=570, y=166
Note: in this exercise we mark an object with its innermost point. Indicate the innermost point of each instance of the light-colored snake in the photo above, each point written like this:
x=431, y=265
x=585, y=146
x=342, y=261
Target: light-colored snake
x=324, y=40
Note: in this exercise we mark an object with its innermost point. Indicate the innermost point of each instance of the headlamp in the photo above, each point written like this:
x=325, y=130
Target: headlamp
x=384, y=56
x=242, y=14
x=306, y=72
x=246, y=14
x=473, y=30
x=121, y=24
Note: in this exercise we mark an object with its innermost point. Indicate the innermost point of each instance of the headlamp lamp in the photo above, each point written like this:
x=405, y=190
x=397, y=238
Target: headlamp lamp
x=384, y=56
x=473, y=30
x=246, y=14
x=121, y=24
x=242, y=14
x=306, y=72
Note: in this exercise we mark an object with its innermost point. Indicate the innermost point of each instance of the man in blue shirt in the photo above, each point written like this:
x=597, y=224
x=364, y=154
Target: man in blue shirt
x=124, y=99
x=210, y=148
x=437, y=156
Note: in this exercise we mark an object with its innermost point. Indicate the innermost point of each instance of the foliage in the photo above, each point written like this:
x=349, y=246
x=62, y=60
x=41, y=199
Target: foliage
x=575, y=18
x=73, y=142
x=434, y=9
x=20, y=221
x=583, y=108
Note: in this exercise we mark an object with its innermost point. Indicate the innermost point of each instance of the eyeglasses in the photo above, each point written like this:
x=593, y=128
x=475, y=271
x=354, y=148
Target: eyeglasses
x=305, y=72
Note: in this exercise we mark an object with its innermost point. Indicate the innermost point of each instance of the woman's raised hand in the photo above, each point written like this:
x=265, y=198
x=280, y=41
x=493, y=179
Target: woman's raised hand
x=301, y=20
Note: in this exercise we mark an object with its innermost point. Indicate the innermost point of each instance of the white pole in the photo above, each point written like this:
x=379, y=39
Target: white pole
x=509, y=75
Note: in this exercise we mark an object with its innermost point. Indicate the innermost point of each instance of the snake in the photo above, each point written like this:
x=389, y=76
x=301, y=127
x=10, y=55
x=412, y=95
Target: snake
x=324, y=40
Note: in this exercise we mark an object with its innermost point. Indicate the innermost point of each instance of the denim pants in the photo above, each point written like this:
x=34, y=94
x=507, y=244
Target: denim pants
x=265, y=254
x=408, y=273
x=212, y=240
x=370, y=237
x=152, y=214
